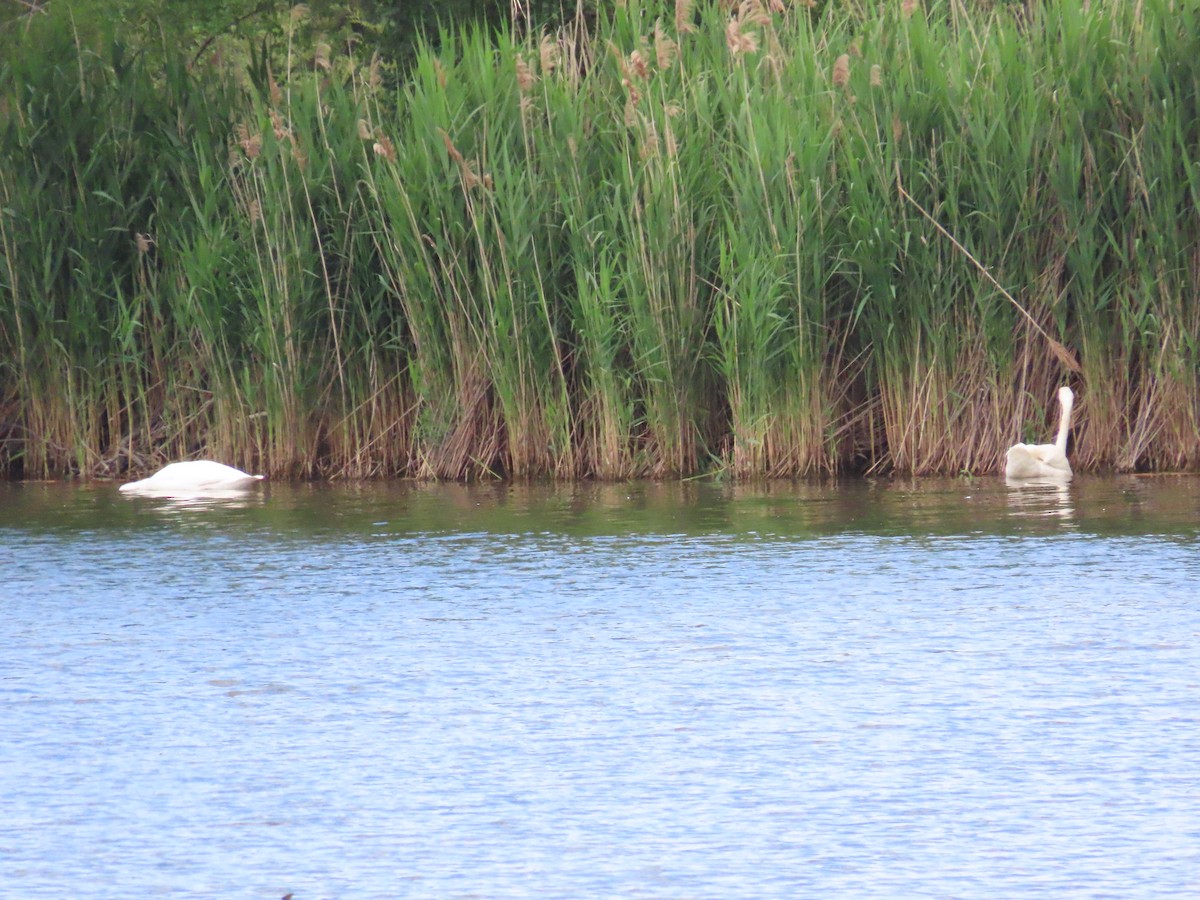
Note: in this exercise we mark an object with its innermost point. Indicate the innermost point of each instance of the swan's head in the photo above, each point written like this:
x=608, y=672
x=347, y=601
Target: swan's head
x=1066, y=396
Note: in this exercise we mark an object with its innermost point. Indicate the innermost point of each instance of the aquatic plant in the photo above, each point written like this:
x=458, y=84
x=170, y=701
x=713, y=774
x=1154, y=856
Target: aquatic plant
x=769, y=240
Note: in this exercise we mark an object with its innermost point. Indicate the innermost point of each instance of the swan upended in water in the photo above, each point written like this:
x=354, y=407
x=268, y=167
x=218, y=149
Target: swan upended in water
x=201, y=476
x=1027, y=461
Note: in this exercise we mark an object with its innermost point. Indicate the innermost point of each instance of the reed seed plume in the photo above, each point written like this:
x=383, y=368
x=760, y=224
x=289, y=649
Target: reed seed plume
x=250, y=142
x=525, y=76
x=739, y=41
x=841, y=71
x=321, y=56
x=450, y=148
x=383, y=147
x=549, y=54
x=754, y=12
x=683, y=16
x=665, y=49
x=637, y=66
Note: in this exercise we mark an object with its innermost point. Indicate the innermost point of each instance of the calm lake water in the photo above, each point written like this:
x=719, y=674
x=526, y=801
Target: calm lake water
x=884, y=689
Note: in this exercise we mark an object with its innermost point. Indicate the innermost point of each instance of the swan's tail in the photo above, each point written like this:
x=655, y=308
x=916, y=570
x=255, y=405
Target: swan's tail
x=1036, y=461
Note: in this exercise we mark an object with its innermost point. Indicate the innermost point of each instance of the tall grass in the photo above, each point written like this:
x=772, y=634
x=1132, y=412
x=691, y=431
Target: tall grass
x=651, y=245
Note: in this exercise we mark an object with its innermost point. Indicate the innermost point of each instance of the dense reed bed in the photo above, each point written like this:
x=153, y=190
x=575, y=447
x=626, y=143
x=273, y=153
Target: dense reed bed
x=761, y=241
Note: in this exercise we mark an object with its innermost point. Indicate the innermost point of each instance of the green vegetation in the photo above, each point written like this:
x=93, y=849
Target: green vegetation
x=669, y=242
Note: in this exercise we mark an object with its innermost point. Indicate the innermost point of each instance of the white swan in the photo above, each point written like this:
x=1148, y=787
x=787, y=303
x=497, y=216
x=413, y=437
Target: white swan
x=201, y=476
x=1027, y=461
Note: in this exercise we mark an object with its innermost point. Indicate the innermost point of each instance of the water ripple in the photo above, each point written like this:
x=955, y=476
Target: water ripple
x=248, y=702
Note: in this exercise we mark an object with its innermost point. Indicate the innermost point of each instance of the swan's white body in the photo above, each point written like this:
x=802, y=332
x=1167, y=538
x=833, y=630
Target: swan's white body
x=1027, y=461
x=201, y=476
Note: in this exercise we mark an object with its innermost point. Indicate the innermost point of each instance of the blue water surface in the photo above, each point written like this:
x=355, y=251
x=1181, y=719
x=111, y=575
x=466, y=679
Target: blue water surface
x=890, y=689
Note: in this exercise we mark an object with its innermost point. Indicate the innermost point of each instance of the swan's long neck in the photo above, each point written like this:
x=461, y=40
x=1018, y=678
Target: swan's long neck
x=1067, y=400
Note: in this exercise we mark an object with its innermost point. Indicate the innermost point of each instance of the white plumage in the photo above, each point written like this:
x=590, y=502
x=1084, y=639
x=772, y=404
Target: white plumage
x=1026, y=461
x=199, y=476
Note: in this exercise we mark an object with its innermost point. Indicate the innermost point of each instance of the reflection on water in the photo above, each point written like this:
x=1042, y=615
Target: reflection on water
x=1041, y=497
x=209, y=500
x=1169, y=504
x=951, y=688
x=183, y=505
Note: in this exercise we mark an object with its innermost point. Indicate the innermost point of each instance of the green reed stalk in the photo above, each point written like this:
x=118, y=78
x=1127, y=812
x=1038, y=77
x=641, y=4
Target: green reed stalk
x=776, y=325
x=675, y=244
x=413, y=193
